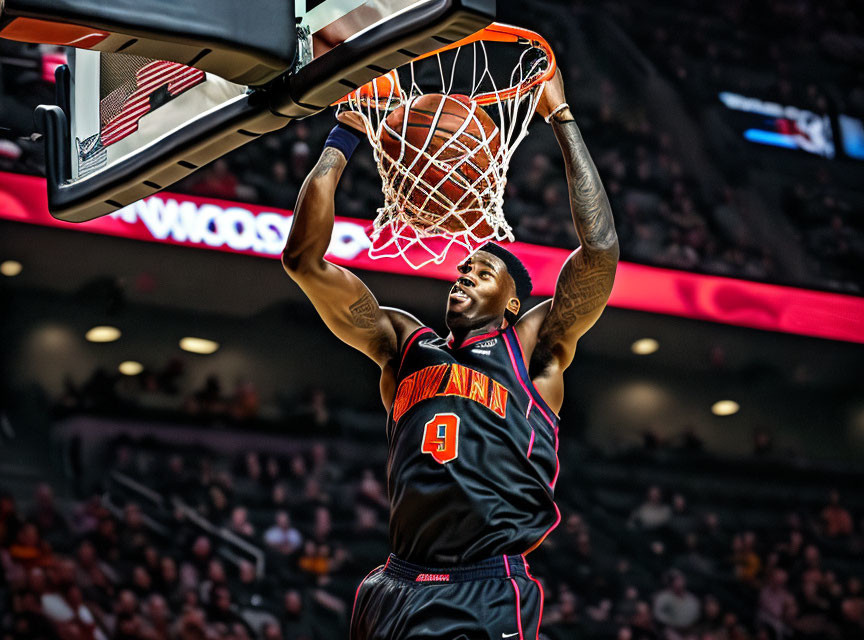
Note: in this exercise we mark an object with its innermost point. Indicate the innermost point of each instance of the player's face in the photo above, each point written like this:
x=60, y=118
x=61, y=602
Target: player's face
x=480, y=294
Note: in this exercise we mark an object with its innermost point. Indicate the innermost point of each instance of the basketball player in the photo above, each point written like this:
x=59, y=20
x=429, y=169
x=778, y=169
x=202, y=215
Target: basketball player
x=472, y=425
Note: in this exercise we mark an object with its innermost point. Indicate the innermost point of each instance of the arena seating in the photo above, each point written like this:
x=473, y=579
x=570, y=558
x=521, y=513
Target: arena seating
x=183, y=540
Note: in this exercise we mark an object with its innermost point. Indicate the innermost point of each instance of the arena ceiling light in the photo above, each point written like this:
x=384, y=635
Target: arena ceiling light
x=10, y=268
x=725, y=408
x=130, y=368
x=645, y=346
x=103, y=333
x=198, y=345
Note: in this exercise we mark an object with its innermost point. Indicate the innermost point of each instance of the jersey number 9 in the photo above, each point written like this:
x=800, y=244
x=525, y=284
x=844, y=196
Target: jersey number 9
x=441, y=437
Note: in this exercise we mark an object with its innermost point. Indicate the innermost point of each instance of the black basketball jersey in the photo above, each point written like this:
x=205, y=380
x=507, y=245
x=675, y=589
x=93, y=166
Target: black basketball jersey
x=473, y=461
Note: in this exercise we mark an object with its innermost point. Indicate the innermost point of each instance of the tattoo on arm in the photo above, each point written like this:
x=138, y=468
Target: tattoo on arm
x=592, y=213
x=364, y=312
x=330, y=159
x=581, y=289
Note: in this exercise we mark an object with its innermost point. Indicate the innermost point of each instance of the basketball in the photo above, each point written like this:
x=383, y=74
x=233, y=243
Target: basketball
x=449, y=146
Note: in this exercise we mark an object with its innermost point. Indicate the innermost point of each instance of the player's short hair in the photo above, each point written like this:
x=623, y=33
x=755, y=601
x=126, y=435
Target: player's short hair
x=515, y=268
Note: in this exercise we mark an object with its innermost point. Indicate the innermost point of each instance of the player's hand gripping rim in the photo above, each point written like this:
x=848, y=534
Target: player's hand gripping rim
x=552, y=103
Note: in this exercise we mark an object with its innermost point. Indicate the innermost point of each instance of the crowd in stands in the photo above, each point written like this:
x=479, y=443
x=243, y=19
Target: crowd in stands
x=157, y=393
x=271, y=546
x=793, y=52
x=159, y=390
x=806, y=54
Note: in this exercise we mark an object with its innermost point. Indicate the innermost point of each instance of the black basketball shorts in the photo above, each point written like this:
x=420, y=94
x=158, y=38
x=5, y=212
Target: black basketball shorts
x=495, y=599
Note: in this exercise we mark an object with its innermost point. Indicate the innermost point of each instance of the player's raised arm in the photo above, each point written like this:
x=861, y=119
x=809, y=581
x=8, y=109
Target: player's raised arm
x=345, y=304
x=585, y=280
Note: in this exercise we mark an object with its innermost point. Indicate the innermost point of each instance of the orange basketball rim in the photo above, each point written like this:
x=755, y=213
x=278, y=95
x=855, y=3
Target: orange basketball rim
x=431, y=205
x=377, y=91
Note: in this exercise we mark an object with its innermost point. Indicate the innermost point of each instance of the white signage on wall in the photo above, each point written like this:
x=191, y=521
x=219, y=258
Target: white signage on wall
x=233, y=227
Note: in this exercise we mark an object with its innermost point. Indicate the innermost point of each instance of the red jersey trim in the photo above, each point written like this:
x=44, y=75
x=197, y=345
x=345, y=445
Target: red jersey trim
x=537, y=394
x=542, y=596
x=410, y=341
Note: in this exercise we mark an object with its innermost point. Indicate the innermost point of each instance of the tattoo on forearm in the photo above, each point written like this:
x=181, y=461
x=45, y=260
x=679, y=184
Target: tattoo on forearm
x=364, y=312
x=585, y=281
x=330, y=159
x=592, y=214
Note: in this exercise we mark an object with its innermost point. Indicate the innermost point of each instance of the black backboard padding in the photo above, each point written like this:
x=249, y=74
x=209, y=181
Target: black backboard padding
x=356, y=62
x=262, y=29
x=73, y=202
x=317, y=85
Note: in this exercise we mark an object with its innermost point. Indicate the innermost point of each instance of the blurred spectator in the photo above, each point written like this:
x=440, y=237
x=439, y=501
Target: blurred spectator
x=157, y=618
x=315, y=559
x=208, y=402
x=218, y=507
x=176, y=480
x=653, y=513
x=694, y=558
x=314, y=415
x=222, y=609
x=282, y=537
x=682, y=522
x=195, y=565
x=371, y=491
x=791, y=553
x=814, y=611
x=216, y=180
x=106, y=540
x=852, y=610
x=564, y=611
x=9, y=520
x=643, y=623
x=367, y=543
x=239, y=522
x=271, y=631
x=85, y=516
x=216, y=578
x=321, y=468
x=773, y=601
x=676, y=607
x=245, y=402
x=29, y=550
x=248, y=589
x=746, y=561
x=712, y=537
x=168, y=581
x=296, y=621
x=836, y=519
x=711, y=622
x=133, y=537
x=141, y=582
x=45, y=515
x=812, y=569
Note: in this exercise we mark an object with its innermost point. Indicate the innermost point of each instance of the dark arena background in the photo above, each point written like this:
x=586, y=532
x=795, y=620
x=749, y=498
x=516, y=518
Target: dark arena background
x=186, y=452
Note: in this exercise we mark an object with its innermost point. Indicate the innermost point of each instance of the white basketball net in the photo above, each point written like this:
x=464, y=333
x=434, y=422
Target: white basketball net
x=411, y=224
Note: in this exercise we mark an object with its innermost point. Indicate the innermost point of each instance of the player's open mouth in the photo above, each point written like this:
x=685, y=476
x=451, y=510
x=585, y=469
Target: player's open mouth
x=457, y=296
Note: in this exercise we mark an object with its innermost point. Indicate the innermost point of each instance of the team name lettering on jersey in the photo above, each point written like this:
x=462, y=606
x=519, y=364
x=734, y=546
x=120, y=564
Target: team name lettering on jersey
x=458, y=380
x=433, y=577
